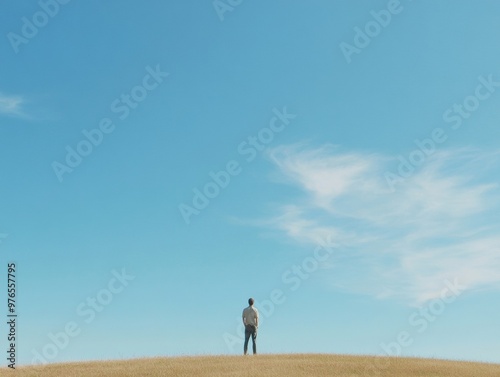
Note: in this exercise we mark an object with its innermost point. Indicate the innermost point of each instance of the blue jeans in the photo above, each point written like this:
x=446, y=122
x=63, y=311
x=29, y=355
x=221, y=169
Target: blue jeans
x=250, y=330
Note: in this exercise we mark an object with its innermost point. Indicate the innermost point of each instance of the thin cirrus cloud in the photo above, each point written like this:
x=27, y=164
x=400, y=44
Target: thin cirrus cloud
x=438, y=225
x=11, y=105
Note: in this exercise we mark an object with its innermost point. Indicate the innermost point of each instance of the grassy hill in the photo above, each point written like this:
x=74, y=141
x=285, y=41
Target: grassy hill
x=265, y=365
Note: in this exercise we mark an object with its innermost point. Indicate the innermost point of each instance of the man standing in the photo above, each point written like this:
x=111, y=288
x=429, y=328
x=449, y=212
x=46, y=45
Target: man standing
x=251, y=322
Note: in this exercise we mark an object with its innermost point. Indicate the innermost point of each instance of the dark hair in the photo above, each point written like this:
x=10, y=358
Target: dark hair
x=250, y=301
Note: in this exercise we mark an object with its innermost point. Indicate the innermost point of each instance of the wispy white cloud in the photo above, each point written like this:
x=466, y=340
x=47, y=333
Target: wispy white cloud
x=11, y=105
x=441, y=223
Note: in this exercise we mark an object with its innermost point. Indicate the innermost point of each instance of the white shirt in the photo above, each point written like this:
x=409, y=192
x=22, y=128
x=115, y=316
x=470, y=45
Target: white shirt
x=250, y=316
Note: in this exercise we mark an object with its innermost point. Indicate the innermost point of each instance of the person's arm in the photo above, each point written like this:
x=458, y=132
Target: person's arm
x=243, y=318
x=256, y=319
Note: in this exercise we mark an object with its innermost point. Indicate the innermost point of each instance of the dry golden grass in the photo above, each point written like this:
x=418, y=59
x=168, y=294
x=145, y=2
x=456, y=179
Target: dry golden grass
x=293, y=365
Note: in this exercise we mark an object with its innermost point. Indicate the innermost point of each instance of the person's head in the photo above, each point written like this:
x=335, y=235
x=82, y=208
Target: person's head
x=250, y=301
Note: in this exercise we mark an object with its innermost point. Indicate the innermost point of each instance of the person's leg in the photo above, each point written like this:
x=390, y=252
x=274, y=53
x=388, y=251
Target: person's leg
x=247, y=338
x=254, y=340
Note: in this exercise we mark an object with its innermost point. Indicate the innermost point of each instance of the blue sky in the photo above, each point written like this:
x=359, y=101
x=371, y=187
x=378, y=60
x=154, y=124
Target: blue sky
x=355, y=194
